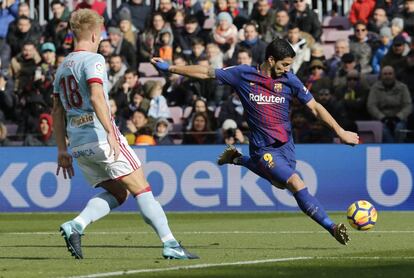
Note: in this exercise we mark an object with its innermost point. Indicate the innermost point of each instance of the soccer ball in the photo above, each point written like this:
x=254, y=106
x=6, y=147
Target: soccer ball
x=362, y=215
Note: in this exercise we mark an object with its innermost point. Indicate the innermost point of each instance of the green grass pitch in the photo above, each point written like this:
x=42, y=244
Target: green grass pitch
x=229, y=244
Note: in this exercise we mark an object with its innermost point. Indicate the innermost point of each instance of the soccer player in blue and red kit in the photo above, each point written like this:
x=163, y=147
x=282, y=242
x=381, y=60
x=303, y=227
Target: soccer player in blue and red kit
x=266, y=93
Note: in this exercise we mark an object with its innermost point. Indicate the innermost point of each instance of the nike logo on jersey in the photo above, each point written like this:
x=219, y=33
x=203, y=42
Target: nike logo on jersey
x=262, y=99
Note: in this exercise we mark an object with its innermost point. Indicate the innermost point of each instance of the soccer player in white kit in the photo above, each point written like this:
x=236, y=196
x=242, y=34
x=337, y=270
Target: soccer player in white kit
x=103, y=154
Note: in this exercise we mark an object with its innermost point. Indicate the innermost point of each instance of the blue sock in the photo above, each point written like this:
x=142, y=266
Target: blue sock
x=311, y=206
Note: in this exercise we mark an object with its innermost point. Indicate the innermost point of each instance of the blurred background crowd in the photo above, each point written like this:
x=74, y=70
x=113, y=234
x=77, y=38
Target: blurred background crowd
x=358, y=62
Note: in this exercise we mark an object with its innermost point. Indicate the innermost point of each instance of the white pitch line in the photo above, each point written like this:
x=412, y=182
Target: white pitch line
x=196, y=266
x=199, y=266
x=210, y=232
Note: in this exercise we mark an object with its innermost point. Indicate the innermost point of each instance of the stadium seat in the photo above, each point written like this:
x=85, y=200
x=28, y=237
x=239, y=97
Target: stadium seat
x=332, y=35
x=176, y=114
x=147, y=69
x=339, y=22
x=370, y=131
x=11, y=129
x=142, y=80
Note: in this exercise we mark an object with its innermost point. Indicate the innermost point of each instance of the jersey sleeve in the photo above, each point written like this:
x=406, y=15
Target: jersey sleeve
x=229, y=76
x=95, y=69
x=299, y=90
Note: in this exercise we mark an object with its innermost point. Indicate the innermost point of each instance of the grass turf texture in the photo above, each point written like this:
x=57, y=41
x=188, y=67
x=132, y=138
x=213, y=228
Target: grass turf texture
x=30, y=246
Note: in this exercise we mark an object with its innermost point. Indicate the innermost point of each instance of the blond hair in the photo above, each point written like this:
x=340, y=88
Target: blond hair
x=84, y=21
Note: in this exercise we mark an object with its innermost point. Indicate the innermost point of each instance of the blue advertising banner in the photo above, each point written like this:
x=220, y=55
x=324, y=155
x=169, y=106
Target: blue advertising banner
x=186, y=178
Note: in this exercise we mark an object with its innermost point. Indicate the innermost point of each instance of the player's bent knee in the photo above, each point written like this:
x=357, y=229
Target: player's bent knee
x=279, y=185
x=295, y=183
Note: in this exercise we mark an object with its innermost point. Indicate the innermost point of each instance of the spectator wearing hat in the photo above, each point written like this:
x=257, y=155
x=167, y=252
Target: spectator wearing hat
x=316, y=53
x=230, y=134
x=161, y=135
x=408, y=17
x=129, y=32
x=306, y=19
x=334, y=63
x=57, y=27
x=317, y=80
x=158, y=103
x=45, y=72
x=378, y=20
x=396, y=56
x=164, y=48
x=140, y=13
x=252, y=42
x=264, y=15
x=361, y=10
x=397, y=26
x=389, y=101
x=348, y=63
x=44, y=135
x=354, y=94
x=122, y=47
x=225, y=34
x=386, y=42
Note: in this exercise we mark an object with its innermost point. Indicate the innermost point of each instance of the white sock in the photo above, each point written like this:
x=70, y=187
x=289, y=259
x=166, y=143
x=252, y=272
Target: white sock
x=154, y=215
x=97, y=207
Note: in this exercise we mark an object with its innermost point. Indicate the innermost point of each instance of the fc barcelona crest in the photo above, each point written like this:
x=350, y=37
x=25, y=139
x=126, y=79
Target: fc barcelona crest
x=278, y=87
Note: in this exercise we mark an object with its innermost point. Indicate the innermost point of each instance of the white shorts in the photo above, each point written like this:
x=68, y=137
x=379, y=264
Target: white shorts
x=97, y=166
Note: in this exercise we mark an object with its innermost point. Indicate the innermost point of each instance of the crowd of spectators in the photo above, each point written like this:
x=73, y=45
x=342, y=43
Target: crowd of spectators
x=370, y=75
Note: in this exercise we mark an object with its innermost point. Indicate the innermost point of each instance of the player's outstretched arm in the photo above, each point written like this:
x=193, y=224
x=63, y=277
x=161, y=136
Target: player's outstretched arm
x=64, y=158
x=102, y=112
x=347, y=137
x=194, y=71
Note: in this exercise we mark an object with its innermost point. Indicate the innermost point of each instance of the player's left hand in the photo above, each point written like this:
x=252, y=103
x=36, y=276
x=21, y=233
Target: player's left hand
x=160, y=64
x=348, y=137
x=65, y=163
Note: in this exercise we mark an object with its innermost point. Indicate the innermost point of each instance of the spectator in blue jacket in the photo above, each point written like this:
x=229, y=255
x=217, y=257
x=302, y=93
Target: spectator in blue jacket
x=386, y=42
x=8, y=13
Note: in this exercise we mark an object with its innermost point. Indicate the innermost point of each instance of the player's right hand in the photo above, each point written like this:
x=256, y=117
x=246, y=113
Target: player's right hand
x=349, y=138
x=65, y=162
x=160, y=64
x=113, y=145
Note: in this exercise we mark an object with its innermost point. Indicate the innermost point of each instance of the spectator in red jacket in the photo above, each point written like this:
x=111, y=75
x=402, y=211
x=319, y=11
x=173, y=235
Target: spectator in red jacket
x=361, y=10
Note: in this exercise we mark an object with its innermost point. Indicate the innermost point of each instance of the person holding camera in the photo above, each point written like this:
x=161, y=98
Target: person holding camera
x=230, y=134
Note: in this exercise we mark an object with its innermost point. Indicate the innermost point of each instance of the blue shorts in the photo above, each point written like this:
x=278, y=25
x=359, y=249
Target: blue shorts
x=275, y=162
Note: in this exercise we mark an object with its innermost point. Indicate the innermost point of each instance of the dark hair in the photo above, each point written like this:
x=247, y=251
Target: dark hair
x=114, y=56
x=140, y=110
x=190, y=19
x=205, y=116
x=57, y=2
x=23, y=17
x=197, y=40
x=245, y=50
x=292, y=26
x=253, y=24
x=133, y=71
x=279, y=49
